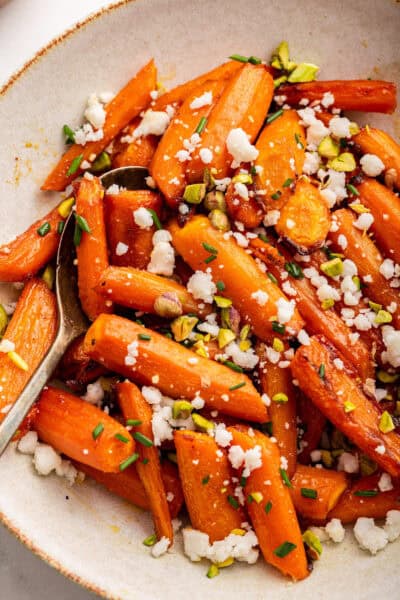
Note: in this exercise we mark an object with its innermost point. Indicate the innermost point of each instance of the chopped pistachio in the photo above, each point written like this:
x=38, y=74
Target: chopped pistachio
x=3, y=320
x=383, y=316
x=244, y=345
x=202, y=423
x=280, y=397
x=225, y=337
x=245, y=178
x=150, y=540
x=333, y=267
x=303, y=72
x=215, y=200
x=172, y=457
x=357, y=282
x=182, y=326
x=48, y=276
x=18, y=360
x=344, y=163
x=194, y=193
x=282, y=53
x=386, y=377
x=168, y=305
x=181, y=409
x=222, y=302
x=354, y=128
x=101, y=163
x=208, y=179
x=238, y=531
x=327, y=303
x=256, y=496
x=374, y=306
x=328, y=148
x=279, y=80
x=226, y=563
x=327, y=458
x=313, y=544
x=386, y=422
x=212, y=572
x=219, y=220
x=359, y=208
x=277, y=345
x=348, y=406
x=201, y=350
x=65, y=207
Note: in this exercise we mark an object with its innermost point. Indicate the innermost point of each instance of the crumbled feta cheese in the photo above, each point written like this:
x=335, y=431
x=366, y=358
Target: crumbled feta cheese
x=392, y=525
x=203, y=100
x=150, y=182
x=27, y=444
x=162, y=259
x=132, y=353
x=303, y=337
x=387, y=268
x=260, y=297
x=153, y=123
x=86, y=134
x=206, y=156
x=342, y=241
x=94, y=393
x=385, y=483
x=195, y=543
x=311, y=163
x=161, y=426
x=348, y=463
x=340, y=127
x=222, y=436
x=338, y=364
x=240, y=547
x=327, y=292
x=285, y=310
x=143, y=218
x=327, y=99
x=95, y=113
x=391, y=339
x=380, y=449
x=160, y=547
x=364, y=221
x=250, y=459
x=106, y=97
x=113, y=190
x=372, y=165
x=362, y=323
x=369, y=536
x=335, y=530
x=202, y=287
x=239, y=146
x=121, y=249
x=7, y=345
x=316, y=455
x=46, y=459
x=236, y=456
x=241, y=190
x=271, y=218
x=246, y=359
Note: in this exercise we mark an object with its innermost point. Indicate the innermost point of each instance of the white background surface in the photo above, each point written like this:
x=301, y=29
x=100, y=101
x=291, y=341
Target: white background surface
x=26, y=26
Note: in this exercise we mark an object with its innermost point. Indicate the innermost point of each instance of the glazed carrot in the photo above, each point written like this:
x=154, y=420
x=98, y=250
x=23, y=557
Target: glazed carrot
x=134, y=406
x=204, y=474
x=281, y=148
x=274, y=380
x=126, y=105
x=128, y=485
x=318, y=320
x=239, y=272
x=312, y=422
x=136, y=153
x=305, y=219
x=354, y=504
x=385, y=208
x=122, y=229
x=24, y=256
x=315, y=492
x=139, y=290
x=81, y=431
x=355, y=94
x=330, y=389
x=362, y=250
x=32, y=330
x=378, y=142
x=273, y=518
x=247, y=211
x=168, y=167
x=107, y=341
x=178, y=94
x=244, y=104
x=76, y=368
x=92, y=248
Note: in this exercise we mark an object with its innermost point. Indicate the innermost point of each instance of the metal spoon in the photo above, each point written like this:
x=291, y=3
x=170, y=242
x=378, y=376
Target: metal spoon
x=71, y=320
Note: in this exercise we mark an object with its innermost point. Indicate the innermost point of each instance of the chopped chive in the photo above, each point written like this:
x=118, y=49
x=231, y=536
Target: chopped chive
x=133, y=422
x=150, y=540
x=145, y=461
x=44, y=229
x=233, y=366
x=201, y=126
x=366, y=493
x=254, y=60
x=210, y=258
x=239, y=58
x=353, y=190
x=69, y=134
x=220, y=286
x=276, y=195
x=237, y=386
x=98, y=430
x=287, y=182
x=298, y=140
x=268, y=507
x=263, y=238
x=233, y=502
x=294, y=270
x=77, y=235
x=60, y=227
x=285, y=478
x=284, y=549
x=155, y=218
x=128, y=461
x=321, y=371
x=142, y=439
x=278, y=327
x=144, y=336
x=243, y=481
x=209, y=248
x=205, y=480
x=75, y=164
x=121, y=438
x=253, y=170
x=82, y=223
x=309, y=493
x=272, y=277
x=274, y=116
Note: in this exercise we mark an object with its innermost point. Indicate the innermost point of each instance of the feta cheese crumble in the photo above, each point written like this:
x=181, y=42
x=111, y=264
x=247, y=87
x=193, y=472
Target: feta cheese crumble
x=239, y=146
x=371, y=165
x=369, y=536
x=202, y=287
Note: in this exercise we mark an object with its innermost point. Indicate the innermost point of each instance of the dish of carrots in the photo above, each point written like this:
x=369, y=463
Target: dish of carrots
x=240, y=367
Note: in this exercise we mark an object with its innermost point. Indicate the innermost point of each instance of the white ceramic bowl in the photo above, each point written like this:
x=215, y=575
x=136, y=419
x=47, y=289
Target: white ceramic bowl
x=94, y=537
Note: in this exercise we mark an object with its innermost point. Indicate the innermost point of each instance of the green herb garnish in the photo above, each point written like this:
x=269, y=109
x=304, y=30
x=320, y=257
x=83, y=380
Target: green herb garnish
x=201, y=126
x=274, y=116
x=75, y=164
x=237, y=386
x=294, y=270
x=44, y=229
x=284, y=549
x=309, y=493
x=98, y=430
x=142, y=439
x=128, y=461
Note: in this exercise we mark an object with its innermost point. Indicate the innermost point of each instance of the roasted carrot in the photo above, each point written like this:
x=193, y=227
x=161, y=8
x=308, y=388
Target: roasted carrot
x=140, y=290
x=362, y=250
x=305, y=219
x=244, y=104
x=378, y=142
x=122, y=228
x=315, y=492
x=134, y=406
x=271, y=509
x=246, y=211
x=204, y=473
x=126, y=105
x=331, y=389
x=92, y=247
x=282, y=411
x=116, y=342
x=312, y=423
x=354, y=94
x=32, y=330
x=138, y=152
x=76, y=367
x=238, y=271
x=281, y=148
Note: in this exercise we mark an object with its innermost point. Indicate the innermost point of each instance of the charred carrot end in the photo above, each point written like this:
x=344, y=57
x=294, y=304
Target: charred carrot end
x=378, y=142
x=315, y=492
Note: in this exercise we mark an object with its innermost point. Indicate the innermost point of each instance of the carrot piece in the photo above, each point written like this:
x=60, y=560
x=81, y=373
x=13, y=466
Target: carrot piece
x=167, y=168
x=32, y=330
x=362, y=250
x=353, y=505
x=274, y=380
x=24, y=256
x=274, y=518
x=134, y=406
x=137, y=153
x=243, y=104
x=107, y=341
x=92, y=249
x=305, y=219
x=239, y=272
x=70, y=425
x=378, y=142
x=126, y=105
x=318, y=321
x=281, y=148
x=354, y=94
x=204, y=474
x=139, y=290
x=312, y=423
x=76, y=368
x=178, y=94
x=330, y=393
x=247, y=211
x=121, y=227
x=129, y=486
x=327, y=485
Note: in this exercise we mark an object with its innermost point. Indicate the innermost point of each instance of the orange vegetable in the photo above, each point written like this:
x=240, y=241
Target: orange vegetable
x=356, y=94
x=76, y=368
x=137, y=153
x=204, y=477
x=273, y=518
x=239, y=273
x=126, y=105
x=139, y=290
x=330, y=393
x=378, y=142
x=328, y=485
x=92, y=249
x=32, y=330
x=134, y=406
x=248, y=212
x=69, y=425
x=107, y=341
x=312, y=422
x=121, y=226
x=244, y=104
x=305, y=219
